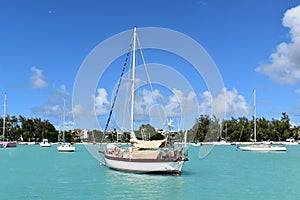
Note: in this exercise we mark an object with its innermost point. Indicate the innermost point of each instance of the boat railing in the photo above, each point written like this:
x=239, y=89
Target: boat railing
x=174, y=154
x=163, y=154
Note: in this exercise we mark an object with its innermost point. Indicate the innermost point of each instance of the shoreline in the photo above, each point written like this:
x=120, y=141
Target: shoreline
x=188, y=143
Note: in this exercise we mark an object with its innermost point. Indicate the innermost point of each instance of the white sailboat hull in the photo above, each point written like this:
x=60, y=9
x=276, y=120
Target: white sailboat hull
x=144, y=165
x=289, y=143
x=45, y=144
x=66, y=148
x=262, y=148
x=224, y=143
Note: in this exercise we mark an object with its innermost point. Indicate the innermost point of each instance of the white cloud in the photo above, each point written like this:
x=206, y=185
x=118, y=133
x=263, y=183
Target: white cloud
x=297, y=91
x=54, y=105
x=284, y=65
x=68, y=125
x=79, y=111
x=58, y=95
x=154, y=104
x=145, y=102
x=235, y=104
x=37, y=80
x=48, y=110
x=180, y=105
x=102, y=104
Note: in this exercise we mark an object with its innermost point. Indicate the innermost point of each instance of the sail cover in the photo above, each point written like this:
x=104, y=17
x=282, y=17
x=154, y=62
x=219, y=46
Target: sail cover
x=147, y=144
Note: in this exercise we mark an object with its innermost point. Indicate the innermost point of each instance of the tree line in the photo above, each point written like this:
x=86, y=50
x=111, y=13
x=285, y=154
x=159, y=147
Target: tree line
x=32, y=130
x=210, y=129
x=206, y=128
x=241, y=129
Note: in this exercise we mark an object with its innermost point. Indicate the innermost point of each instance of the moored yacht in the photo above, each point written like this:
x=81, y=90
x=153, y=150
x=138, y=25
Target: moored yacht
x=5, y=143
x=143, y=156
x=65, y=147
x=258, y=147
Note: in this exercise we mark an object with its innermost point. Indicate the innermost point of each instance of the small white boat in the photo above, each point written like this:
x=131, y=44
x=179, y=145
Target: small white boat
x=66, y=147
x=222, y=142
x=45, y=143
x=290, y=141
x=31, y=143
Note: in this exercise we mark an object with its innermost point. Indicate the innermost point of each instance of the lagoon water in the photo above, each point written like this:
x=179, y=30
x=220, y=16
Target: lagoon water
x=33, y=172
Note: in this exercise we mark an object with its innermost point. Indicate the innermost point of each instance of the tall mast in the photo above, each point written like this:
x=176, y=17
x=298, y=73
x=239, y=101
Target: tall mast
x=254, y=105
x=4, y=114
x=64, y=118
x=133, y=82
x=226, y=132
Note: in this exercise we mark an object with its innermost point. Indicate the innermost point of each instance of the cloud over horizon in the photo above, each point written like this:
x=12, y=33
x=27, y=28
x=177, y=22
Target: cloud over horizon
x=102, y=105
x=235, y=104
x=53, y=108
x=284, y=63
x=37, y=80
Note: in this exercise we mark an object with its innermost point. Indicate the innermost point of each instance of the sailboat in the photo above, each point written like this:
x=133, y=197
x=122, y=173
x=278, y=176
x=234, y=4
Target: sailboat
x=157, y=156
x=5, y=144
x=222, y=141
x=65, y=147
x=259, y=146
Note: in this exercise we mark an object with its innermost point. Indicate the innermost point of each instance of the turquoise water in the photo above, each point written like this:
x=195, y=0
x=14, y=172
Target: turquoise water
x=32, y=172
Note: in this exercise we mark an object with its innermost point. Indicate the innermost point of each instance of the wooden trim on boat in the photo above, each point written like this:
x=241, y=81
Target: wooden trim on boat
x=138, y=159
x=175, y=172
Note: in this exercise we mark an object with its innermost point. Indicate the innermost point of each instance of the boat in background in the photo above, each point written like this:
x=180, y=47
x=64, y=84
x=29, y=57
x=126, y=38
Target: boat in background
x=31, y=143
x=266, y=142
x=259, y=147
x=5, y=143
x=65, y=147
x=290, y=141
x=45, y=143
x=143, y=156
x=262, y=147
x=222, y=141
x=10, y=144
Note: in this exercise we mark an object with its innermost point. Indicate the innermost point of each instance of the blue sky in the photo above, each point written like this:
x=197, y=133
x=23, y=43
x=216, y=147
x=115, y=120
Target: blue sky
x=254, y=44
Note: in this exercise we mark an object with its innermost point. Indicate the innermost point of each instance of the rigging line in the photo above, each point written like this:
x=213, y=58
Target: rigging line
x=241, y=132
x=127, y=97
x=118, y=87
x=148, y=77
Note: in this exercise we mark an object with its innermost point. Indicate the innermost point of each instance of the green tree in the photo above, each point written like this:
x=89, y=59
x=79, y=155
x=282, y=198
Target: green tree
x=263, y=131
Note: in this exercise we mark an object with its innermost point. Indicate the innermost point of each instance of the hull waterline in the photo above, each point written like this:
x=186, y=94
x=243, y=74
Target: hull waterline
x=154, y=166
